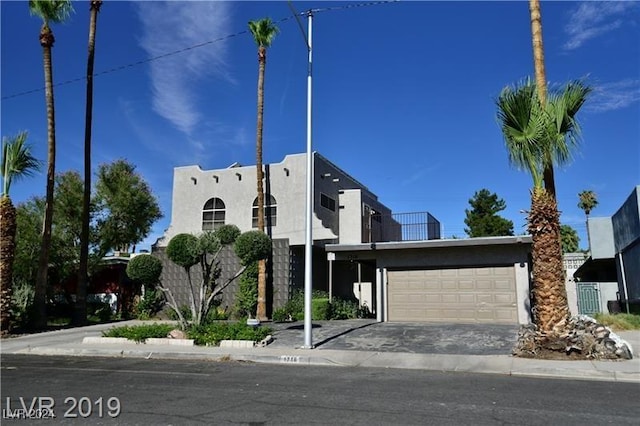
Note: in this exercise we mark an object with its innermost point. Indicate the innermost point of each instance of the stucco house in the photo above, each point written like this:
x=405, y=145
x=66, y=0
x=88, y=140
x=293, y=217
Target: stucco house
x=361, y=248
x=612, y=272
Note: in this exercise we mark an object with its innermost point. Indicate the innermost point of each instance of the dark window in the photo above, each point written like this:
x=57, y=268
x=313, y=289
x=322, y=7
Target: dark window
x=213, y=214
x=327, y=202
x=270, y=212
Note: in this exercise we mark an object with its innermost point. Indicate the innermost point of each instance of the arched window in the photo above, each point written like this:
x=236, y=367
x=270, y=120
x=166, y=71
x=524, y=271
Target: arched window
x=269, y=211
x=213, y=214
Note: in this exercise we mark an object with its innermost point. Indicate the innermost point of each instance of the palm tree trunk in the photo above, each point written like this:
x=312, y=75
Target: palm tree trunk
x=551, y=310
x=541, y=82
x=7, y=253
x=80, y=311
x=262, y=266
x=46, y=41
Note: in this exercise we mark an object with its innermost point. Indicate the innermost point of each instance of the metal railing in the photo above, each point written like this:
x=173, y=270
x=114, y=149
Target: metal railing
x=414, y=226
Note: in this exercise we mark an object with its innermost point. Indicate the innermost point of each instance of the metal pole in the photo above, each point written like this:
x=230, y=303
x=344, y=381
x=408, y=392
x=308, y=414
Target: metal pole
x=308, y=247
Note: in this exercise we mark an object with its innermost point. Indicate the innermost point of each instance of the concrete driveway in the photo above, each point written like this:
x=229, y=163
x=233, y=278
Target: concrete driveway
x=422, y=338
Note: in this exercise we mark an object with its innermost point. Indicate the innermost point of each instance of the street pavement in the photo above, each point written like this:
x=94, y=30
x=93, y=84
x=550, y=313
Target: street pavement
x=365, y=343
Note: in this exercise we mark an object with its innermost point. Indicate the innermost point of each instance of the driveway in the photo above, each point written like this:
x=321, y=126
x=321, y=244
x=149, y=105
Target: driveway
x=423, y=338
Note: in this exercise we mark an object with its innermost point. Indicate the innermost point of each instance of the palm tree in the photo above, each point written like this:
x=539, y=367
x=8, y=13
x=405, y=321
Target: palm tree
x=588, y=201
x=534, y=132
x=541, y=82
x=50, y=11
x=264, y=31
x=17, y=162
x=80, y=311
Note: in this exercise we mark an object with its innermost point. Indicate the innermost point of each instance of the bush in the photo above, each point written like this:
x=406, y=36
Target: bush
x=99, y=311
x=22, y=303
x=252, y=246
x=320, y=309
x=182, y=250
x=145, y=268
x=280, y=315
x=212, y=334
x=150, y=305
x=216, y=313
x=347, y=309
x=140, y=333
x=247, y=296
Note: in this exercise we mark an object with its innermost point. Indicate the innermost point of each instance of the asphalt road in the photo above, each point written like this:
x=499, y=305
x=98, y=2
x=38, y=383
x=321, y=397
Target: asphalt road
x=161, y=392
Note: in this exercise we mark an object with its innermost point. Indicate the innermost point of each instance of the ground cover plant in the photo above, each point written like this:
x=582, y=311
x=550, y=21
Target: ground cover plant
x=619, y=322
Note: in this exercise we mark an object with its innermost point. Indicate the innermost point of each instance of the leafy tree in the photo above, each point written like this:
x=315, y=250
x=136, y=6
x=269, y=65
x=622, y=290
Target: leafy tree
x=187, y=250
x=569, y=238
x=483, y=219
x=80, y=311
x=146, y=269
x=264, y=31
x=247, y=296
x=127, y=209
x=536, y=132
x=17, y=163
x=50, y=11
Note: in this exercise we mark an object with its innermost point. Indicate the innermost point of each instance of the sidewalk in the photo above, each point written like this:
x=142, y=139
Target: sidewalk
x=364, y=344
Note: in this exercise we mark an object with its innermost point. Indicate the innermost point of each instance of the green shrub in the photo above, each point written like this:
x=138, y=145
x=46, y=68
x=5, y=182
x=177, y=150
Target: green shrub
x=320, y=309
x=150, y=305
x=145, y=268
x=247, y=296
x=212, y=334
x=22, y=303
x=182, y=250
x=347, y=309
x=216, y=313
x=280, y=315
x=184, y=310
x=99, y=311
x=140, y=333
x=252, y=246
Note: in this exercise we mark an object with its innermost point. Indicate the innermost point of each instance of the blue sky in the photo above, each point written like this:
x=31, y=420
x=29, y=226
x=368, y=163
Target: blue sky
x=403, y=95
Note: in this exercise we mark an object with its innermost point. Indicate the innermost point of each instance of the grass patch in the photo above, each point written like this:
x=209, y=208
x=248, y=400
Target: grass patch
x=140, y=333
x=619, y=322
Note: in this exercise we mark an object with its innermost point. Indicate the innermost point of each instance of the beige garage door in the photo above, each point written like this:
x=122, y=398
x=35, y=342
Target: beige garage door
x=466, y=295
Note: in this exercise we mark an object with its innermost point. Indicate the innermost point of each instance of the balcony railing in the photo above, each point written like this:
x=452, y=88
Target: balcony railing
x=415, y=226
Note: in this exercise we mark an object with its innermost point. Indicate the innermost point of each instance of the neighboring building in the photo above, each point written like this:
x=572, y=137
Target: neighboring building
x=615, y=254
x=571, y=263
x=345, y=211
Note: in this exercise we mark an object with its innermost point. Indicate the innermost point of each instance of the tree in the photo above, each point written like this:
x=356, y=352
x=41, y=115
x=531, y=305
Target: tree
x=50, y=11
x=187, y=251
x=17, y=163
x=80, y=311
x=533, y=132
x=126, y=207
x=264, y=31
x=569, y=238
x=483, y=219
x=588, y=201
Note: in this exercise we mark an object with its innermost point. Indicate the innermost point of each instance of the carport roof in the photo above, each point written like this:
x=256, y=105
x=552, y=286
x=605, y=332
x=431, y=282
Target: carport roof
x=397, y=245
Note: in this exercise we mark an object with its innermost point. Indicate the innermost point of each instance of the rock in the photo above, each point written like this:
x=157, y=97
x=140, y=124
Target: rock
x=177, y=334
x=264, y=342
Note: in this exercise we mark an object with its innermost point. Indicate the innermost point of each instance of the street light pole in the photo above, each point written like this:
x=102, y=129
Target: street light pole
x=308, y=248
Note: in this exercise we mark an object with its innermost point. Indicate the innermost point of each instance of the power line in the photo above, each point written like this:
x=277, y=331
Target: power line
x=195, y=46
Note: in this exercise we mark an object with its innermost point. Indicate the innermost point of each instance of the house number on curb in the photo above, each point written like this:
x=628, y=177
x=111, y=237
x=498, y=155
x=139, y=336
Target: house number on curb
x=291, y=359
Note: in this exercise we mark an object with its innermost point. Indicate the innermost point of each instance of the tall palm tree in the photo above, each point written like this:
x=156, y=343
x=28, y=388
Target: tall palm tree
x=17, y=162
x=541, y=82
x=588, y=201
x=80, y=311
x=50, y=11
x=264, y=31
x=533, y=132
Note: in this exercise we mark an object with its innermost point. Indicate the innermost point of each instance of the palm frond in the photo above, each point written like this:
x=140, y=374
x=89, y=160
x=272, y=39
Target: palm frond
x=17, y=160
x=55, y=11
x=264, y=31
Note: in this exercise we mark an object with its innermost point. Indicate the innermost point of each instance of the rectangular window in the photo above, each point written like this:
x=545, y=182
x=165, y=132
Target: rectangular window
x=327, y=202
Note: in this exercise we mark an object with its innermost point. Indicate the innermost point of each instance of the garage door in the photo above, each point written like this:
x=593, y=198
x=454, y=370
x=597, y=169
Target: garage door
x=465, y=295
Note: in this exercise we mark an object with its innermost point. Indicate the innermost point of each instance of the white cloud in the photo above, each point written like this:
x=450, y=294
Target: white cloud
x=171, y=26
x=592, y=19
x=615, y=95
